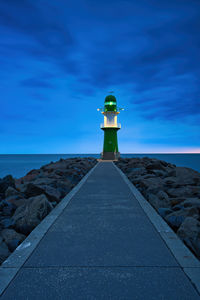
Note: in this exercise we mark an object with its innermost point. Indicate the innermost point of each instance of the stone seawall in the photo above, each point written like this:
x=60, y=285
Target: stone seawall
x=26, y=201
x=173, y=191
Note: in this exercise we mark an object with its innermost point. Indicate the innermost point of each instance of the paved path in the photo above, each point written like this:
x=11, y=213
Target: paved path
x=102, y=246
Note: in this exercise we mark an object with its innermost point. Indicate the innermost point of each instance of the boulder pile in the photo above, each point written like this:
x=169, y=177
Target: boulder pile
x=26, y=201
x=173, y=191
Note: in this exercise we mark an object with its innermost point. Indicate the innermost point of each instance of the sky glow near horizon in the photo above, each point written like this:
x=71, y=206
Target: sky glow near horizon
x=59, y=60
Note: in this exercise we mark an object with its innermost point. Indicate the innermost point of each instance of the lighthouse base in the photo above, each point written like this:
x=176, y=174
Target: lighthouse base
x=110, y=155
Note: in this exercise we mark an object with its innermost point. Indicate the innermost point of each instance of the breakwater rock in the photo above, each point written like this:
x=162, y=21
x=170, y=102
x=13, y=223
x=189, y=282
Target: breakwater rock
x=173, y=191
x=26, y=201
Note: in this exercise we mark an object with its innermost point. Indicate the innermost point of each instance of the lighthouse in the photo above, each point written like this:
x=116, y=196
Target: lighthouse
x=110, y=128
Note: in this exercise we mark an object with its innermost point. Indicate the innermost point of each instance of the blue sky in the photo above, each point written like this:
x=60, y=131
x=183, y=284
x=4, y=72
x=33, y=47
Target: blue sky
x=59, y=59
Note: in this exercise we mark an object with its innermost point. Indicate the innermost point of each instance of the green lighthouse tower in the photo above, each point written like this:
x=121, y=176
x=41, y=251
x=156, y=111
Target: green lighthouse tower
x=110, y=128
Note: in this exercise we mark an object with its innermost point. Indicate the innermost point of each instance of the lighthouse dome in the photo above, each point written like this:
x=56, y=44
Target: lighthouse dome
x=110, y=98
x=110, y=103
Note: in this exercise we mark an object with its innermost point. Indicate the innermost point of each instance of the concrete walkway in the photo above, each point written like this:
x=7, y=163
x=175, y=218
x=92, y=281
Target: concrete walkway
x=102, y=246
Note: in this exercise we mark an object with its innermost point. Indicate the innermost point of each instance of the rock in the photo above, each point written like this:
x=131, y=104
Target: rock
x=32, y=190
x=187, y=176
x=184, y=191
x=153, y=184
x=190, y=228
x=176, y=218
x=12, y=245
x=135, y=179
x=64, y=186
x=191, y=202
x=12, y=238
x=163, y=196
x=29, y=215
x=149, y=176
x=7, y=208
x=16, y=200
x=33, y=172
x=164, y=211
x=35, y=190
x=11, y=192
x=5, y=183
x=157, y=202
x=186, y=211
x=175, y=201
x=59, y=165
x=159, y=173
x=169, y=181
x=178, y=207
x=6, y=222
x=156, y=165
x=59, y=172
x=74, y=178
x=52, y=193
x=171, y=172
x=189, y=232
x=2, y=204
x=54, y=203
x=137, y=171
x=46, y=180
x=4, y=251
x=174, y=221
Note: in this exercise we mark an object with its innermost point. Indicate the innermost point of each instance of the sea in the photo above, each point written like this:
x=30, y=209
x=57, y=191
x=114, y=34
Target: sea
x=19, y=165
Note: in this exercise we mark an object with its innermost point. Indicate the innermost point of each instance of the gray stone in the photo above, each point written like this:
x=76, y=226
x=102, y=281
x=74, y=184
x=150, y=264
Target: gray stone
x=156, y=165
x=32, y=190
x=175, y=221
x=186, y=212
x=52, y=193
x=171, y=172
x=5, y=183
x=170, y=181
x=11, y=192
x=13, y=244
x=184, y=191
x=29, y=215
x=189, y=232
x=176, y=200
x=176, y=218
x=137, y=171
x=178, y=207
x=187, y=176
x=157, y=202
x=159, y=173
x=164, y=211
x=153, y=184
x=35, y=190
x=39, y=181
x=190, y=228
x=10, y=234
x=8, y=210
x=7, y=222
x=4, y=252
x=191, y=202
x=16, y=200
x=163, y=196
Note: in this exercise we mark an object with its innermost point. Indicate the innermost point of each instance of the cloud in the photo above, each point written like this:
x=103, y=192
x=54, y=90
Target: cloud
x=37, y=82
x=45, y=37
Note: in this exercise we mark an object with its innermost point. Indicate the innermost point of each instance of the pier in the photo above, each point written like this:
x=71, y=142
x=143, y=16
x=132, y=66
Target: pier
x=102, y=242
